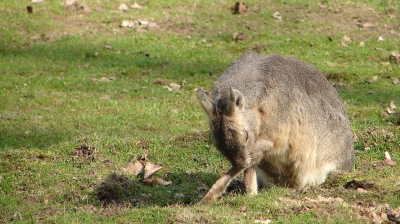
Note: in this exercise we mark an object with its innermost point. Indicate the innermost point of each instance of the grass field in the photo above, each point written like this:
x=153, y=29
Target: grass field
x=80, y=96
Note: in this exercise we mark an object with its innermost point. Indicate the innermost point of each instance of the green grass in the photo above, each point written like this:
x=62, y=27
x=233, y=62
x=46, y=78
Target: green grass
x=61, y=88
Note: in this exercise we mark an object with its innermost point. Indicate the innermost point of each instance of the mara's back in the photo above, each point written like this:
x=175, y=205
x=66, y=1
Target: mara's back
x=257, y=76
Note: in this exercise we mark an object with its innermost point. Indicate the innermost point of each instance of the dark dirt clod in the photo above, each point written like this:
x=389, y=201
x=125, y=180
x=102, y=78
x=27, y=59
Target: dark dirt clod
x=115, y=189
x=236, y=187
x=84, y=153
x=358, y=184
x=239, y=8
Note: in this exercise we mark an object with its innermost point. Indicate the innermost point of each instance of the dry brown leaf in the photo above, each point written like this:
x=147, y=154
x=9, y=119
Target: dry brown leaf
x=374, y=78
x=361, y=190
x=390, y=162
x=366, y=25
x=267, y=221
x=107, y=79
x=395, y=81
x=389, y=111
x=123, y=7
x=277, y=16
x=136, y=6
x=392, y=106
x=150, y=169
x=134, y=167
x=156, y=181
x=346, y=38
x=387, y=156
x=175, y=87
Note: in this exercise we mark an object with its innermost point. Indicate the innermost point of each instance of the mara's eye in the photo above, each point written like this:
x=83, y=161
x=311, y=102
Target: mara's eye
x=246, y=134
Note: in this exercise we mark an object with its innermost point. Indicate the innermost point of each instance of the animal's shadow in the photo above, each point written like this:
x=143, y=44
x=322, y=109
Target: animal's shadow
x=186, y=189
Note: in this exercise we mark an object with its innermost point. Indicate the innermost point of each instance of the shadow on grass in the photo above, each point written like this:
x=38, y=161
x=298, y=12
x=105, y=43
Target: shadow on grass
x=14, y=137
x=186, y=189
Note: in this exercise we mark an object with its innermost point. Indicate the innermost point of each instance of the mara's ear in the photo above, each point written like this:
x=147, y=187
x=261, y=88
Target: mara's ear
x=236, y=101
x=207, y=103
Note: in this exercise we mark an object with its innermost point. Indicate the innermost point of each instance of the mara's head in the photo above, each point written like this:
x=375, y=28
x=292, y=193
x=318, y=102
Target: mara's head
x=231, y=131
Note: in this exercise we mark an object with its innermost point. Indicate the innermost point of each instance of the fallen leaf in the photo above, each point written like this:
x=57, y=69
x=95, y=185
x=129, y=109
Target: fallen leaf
x=361, y=190
x=107, y=79
x=389, y=111
x=175, y=87
x=380, y=38
x=37, y=1
x=143, y=23
x=267, y=221
x=374, y=79
x=392, y=106
x=150, y=169
x=156, y=181
x=128, y=24
x=277, y=16
x=390, y=162
x=136, y=6
x=366, y=25
x=387, y=156
x=134, y=167
x=395, y=81
x=362, y=44
x=346, y=38
x=123, y=7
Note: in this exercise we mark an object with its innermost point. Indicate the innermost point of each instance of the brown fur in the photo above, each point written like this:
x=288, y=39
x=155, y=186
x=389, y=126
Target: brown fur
x=279, y=120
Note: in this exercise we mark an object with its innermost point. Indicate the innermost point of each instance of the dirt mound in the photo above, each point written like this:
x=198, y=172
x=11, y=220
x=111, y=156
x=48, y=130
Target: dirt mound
x=84, y=153
x=115, y=189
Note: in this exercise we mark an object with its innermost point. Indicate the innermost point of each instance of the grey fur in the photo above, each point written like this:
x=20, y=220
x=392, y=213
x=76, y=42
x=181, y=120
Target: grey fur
x=279, y=120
